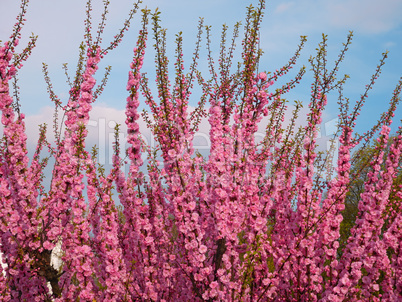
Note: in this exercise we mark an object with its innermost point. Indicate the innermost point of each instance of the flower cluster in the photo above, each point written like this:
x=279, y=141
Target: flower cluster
x=255, y=221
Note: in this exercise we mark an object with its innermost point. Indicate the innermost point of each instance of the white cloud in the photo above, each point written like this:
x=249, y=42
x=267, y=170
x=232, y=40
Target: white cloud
x=101, y=130
x=283, y=7
x=370, y=17
x=309, y=17
x=389, y=44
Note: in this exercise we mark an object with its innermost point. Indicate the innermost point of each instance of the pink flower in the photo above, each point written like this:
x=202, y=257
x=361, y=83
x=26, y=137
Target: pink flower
x=203, y=249
x=172, y=153
x=48, y=245
x=214, y=284
x=195, y=216
x=259, y=223
x=262, y=76
x=220, y=192
x=192, y=205
x=149, y=240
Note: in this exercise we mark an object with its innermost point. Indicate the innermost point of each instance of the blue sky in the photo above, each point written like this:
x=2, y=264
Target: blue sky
x=377, y=27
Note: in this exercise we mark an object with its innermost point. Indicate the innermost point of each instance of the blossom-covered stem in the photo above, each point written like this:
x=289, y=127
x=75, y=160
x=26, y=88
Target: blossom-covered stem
x=364, y=250
x=18, y=186
x=75, y=240
x=333, y=205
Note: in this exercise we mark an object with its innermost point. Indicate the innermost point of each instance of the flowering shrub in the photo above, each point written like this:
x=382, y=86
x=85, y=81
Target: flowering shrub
x=252, y=222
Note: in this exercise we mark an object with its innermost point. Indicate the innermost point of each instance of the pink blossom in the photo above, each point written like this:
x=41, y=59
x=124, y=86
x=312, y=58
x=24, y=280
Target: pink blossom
x=203, y=249
x=262, y=76
x=172, y=153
